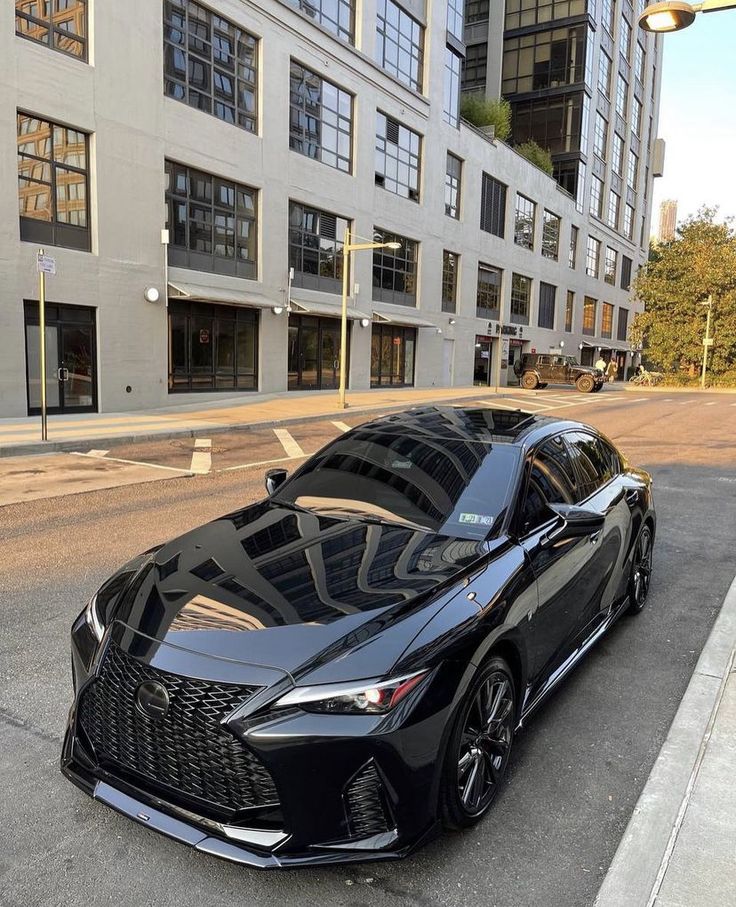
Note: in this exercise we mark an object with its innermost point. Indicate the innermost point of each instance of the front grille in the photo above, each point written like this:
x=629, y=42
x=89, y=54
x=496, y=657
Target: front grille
x=188, y=751
x=365, y=804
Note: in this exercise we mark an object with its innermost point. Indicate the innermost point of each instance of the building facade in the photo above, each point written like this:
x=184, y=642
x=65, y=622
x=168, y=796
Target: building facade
x=667, y=220
x=194, y=169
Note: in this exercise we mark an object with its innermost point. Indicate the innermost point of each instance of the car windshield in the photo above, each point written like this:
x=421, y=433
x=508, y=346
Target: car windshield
x=450, y=486
x=571, y=360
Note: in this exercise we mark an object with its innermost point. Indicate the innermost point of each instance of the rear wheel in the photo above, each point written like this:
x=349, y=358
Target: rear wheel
x=541, y=386
x=641, y=571
x=529, y=381
x=597, y=388
x=585, y=384
x=479, y=747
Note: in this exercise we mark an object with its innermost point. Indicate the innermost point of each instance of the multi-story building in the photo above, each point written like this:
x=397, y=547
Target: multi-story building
x=667, y=220
x=195, y=167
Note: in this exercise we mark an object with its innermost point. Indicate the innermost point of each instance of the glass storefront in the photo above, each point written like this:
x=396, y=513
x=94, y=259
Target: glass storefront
x=392, y=355
x=212, y=347
x=314, y=352
x=483, y=370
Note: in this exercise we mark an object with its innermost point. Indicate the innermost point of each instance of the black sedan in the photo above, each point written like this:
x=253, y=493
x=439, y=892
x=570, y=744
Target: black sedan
x=337, y=672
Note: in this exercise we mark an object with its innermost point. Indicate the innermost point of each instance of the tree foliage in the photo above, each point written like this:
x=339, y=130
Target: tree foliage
x=482, y=111
x=699, y=262
x=537, y=155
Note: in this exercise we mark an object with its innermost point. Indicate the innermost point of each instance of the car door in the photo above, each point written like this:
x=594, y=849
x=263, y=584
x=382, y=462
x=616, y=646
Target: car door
x=600, y=487
x=562, y=569
x=558, y=370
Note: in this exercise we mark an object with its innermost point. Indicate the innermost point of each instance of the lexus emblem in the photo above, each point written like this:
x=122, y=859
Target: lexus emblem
x=152, y=700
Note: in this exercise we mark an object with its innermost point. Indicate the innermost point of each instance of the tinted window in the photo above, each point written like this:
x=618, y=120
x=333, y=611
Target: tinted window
x=594, y=461
x=551, y=481
x=449, y=485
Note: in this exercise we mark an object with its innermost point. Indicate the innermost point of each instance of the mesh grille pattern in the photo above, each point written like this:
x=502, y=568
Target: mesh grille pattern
x=187, y=751
x=364, y=801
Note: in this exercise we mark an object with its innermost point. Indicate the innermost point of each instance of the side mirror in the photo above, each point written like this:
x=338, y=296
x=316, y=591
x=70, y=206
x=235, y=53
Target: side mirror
x=573, y=523
x=275, y=478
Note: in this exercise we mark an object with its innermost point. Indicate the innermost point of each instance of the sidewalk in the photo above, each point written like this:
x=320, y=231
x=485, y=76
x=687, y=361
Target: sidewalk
x=679, y=849
x=23, y=435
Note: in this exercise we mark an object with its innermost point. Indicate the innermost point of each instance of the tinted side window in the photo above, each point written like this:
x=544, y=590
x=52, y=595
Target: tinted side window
x=593, y=460
x=551, y=481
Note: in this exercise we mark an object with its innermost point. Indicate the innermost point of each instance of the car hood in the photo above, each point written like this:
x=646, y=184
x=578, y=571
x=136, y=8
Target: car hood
x=295, y=590
x=587, y=369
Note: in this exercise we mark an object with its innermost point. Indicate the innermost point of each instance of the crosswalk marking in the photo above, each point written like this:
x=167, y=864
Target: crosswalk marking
x=201, y=457
x=97, y=453
x=290, y=446
x=342, y=426
x=712, y=403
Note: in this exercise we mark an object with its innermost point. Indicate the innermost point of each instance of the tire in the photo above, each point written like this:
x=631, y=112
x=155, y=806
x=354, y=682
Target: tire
x=585, y=384
x=476, y=760
x=529, y=381
x=641, y=571
x=597, y=388
x=542, y=386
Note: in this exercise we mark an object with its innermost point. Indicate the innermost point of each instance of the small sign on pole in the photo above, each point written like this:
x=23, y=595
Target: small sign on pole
x=45, y=264
x=709, y=342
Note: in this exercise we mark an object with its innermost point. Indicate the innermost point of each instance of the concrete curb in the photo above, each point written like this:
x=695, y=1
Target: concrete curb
x=628, y=386
x=639, y=865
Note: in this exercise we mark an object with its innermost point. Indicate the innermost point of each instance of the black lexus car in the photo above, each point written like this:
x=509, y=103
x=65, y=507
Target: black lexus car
x=337, y=672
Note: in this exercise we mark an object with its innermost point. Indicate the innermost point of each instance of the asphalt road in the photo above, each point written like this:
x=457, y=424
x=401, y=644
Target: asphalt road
x=576, y=772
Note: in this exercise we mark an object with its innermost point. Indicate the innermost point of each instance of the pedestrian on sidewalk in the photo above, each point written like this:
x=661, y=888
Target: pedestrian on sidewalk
x=601, y=363
x=611, y=370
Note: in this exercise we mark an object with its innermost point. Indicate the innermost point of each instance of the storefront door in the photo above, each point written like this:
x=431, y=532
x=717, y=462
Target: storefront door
x=314, y=353
x=514, y=354
x=71, y=373
x=482, y=371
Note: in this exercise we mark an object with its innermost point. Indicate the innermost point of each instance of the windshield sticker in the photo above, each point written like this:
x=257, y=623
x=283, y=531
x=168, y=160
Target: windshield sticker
x=478, y=519
x=401, y=464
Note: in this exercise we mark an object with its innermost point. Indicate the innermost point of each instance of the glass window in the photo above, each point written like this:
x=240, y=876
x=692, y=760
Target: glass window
x=488, y=292
x=607, y=7
x=596, y=196
x=320, y=119
x=398, y=154
x=606, y=320
x=614, y=204
x=617, y=161
x=453, y=185
x=451, y=97
x=521, y=292
x=476, y=11
x=546, y=59
x=604, y=73
x=636, y=116
x=525, y=215
x=212, y=222
x=53, y=183
x=628, y=222
x=455, y=11
x=632, y=170
x=450, y=266
x=592, y=256
x=550, y=235
x=625, y=273
x=623, y=324
x=523, y=12
x=392, y=355
x=572, y=256
x=622, y=95
x=399, y=44
x=625, y=38
x=395, y=270
x=569, y=311
x=639, y=62
x=212, y=347
x=551, y=481
x=547, y=294
x=61, y=24
x=595, y=462
x=600, y=136
x=589, y=314
x=316, y=247
x=210, y=63
x=337, y=16
x=558, y=123
x=475, y=67
x=493, y=206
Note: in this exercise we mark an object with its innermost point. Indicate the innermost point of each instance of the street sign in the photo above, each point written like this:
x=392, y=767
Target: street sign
x=708, y=342
x=45, y=264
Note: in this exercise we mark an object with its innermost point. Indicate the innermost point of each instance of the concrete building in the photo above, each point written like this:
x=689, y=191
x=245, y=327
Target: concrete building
x=210, y=157
x=667, y=220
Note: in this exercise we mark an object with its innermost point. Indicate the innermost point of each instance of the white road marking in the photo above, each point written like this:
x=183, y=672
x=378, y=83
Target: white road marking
x=259, y=463
x=97, y=453
x=525, y=403
x=712, y=403
x=639, y=400
x=290, y=446
x=202, y=457
x=684, y=402
x=342, y=426
x=185, y=472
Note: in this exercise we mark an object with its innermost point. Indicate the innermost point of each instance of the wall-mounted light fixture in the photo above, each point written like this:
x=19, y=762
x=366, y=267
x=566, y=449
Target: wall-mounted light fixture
x=277, y=309
x=439, y=330
x=151, y=294
x=562, y=344
x=364, y=322
x=452, y=321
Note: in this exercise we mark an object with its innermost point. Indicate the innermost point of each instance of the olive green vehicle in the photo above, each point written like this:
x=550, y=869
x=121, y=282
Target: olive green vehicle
x=536, y=370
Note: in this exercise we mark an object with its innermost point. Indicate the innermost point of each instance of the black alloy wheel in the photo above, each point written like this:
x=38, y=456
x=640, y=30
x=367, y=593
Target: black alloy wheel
x=479, y=747
x=585, y=384
x=641, y=571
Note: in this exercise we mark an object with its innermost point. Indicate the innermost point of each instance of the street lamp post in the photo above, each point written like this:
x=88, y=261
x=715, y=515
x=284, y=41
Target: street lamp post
x=347, y=249
x=674, y=15
x=707, y=343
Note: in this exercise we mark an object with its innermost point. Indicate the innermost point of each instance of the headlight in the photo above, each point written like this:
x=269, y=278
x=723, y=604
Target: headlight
x=371, y=697
x=99, y=608
x=92, y=617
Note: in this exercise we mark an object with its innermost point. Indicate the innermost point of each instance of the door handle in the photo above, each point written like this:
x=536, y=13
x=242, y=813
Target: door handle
x=632, y=496
x=596, y=537
x=62, y=374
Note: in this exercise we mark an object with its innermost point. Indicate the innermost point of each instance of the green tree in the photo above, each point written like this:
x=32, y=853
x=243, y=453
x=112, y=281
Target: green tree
x=699, y=262
x=537, y=155
x=482, y=111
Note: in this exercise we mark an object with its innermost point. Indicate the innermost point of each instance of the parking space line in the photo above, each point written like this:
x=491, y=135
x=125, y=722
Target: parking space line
x=97, y=453
x=184, y=472
x=712, y=403
x=291, y=448
x=525, y=403
x=202, y=457
x=342, y=426
x=259, y=463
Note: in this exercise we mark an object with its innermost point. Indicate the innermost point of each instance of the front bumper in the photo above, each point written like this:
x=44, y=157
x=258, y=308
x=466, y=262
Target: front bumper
x=314, y=761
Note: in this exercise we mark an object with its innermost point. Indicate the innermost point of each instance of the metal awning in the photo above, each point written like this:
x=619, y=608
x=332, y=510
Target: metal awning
x=200, y=293
x=299, y=306
x=400, y=318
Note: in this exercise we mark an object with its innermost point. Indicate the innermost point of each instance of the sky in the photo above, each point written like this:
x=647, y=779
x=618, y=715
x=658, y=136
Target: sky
x=697, y=117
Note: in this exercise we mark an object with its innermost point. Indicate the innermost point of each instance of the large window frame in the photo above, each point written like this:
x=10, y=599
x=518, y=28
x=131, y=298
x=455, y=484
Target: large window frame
x=53, y=183
x=606, y=320
x=572, y=255
x=569, y=311
x=320, y=118
x=622, y=328
x=488, y=292
x=322, y=12
x=400, y=44
x=64, y=30
x=521, y=297
x=398, y=151
x=475, y=66
x=600, y=135
x=596, y=196
x=550, y=235
x=533, y=62
x=590, y=310
x=451, y=88
x=525, y=216
x=453, y=185
x=493, y=206
x=211, y=63
x=395, y=346
x=316, y=241
x=547, y=302
x=450, y=272
x=592, y=256
x=395, y=271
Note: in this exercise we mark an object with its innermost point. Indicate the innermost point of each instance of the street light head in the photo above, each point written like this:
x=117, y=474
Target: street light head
x=393, y=245
x=672, y=15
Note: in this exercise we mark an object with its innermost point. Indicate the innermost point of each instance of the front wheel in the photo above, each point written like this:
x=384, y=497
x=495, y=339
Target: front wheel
x=641, y=571
x=597, y=388
x=529, y=381
x=479, y=746
x=585, y=384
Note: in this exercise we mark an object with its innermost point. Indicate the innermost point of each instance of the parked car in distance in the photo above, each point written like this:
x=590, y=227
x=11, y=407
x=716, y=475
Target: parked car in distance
x=540, y=369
